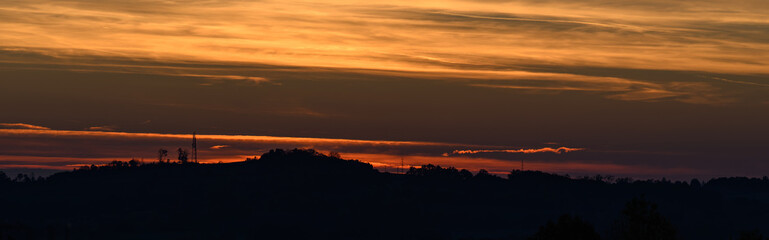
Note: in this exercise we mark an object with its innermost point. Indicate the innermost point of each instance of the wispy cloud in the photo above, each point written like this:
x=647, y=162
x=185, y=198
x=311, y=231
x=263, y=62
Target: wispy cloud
x=688, y=92
x=106, y=134
x=559, y=150
x=22, y=126
x=448, y=39
x=544, y=88
x=227, y=77
x=102, y=128
x=741, y=82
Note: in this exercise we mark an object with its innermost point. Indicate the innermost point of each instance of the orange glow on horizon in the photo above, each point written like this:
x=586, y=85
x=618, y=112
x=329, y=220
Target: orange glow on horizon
x=383, y=155
x=503, y=167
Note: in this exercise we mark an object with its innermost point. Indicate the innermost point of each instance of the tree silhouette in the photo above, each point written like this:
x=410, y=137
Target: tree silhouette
x=162, y=153
x=118, y=164
x=23, y=178
x=4, y=178
x=465, y=174
x=133, y=163
x=567, y=227
x=436, y=171
x=695, y=183
x=182, y=155
x=640, y=220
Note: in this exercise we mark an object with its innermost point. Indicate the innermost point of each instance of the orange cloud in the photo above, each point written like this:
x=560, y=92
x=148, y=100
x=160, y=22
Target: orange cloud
x=23, y=126
x=228, y=77
x=102, y=128
x=538, y=150
x=49, y=132
x=477, y=40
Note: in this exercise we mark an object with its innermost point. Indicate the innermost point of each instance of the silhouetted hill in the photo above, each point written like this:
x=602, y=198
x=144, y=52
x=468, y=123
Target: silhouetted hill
x=302, y=194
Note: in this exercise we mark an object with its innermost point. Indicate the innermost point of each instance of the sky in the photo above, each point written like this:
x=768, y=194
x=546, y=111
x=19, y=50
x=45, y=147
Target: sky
x=644, y=89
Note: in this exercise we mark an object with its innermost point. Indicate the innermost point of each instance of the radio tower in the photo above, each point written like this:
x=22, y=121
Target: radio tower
x=194, y=148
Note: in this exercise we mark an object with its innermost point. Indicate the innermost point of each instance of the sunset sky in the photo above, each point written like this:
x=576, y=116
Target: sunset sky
x=645, y=89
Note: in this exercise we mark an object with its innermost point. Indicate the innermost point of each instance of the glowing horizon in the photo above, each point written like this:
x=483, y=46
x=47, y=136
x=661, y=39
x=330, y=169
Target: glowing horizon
x=226, y=149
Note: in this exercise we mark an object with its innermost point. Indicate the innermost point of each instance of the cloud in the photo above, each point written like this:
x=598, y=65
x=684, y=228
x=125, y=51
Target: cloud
x=559, y=150
x=542, y=88
x=227, y=77
x=102, y=128
x=105, y=144
x=741, y=82
x=475, y=40
x=688, y=92
x=22, y=126
x=301, y=111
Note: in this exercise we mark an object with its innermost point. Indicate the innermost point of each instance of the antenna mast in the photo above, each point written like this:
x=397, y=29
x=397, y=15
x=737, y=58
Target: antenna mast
x=194, y=148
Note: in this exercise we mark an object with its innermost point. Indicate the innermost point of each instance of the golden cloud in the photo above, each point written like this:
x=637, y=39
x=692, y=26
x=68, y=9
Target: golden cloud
x=478, y=40
x=23, y=126
x=535, y=150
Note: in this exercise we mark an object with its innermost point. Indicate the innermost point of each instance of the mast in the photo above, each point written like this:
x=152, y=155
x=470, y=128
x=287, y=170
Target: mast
x=194, y=147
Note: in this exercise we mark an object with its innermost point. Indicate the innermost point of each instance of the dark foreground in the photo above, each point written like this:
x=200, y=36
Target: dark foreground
x=301, y=194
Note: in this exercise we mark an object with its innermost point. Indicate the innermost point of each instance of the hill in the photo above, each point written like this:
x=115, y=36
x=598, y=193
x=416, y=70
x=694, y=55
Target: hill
x=302, y=194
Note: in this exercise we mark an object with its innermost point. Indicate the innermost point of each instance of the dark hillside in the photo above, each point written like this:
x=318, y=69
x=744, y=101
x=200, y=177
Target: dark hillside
x=302, y=194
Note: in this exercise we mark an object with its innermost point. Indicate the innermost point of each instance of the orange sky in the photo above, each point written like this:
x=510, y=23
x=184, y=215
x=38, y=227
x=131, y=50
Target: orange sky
x=466, y=39
x=104, y=147
x=231, y=148
x=645, y=88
